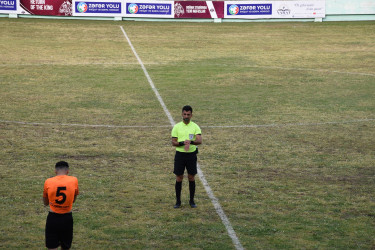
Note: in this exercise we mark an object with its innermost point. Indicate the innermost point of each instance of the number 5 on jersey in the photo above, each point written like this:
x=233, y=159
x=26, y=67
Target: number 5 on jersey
x=59, y=193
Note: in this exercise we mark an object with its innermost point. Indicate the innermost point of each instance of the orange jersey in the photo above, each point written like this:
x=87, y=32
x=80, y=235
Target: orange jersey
x=61, y=191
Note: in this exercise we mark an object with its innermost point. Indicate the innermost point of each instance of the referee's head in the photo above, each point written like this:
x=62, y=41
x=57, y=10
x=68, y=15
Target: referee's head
x=187, y=108
x=187, y=113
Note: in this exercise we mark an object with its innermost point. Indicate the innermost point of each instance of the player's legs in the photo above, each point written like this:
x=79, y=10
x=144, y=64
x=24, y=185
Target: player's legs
x=179, y=169
x=179, y=178
x=191, y=167
x=192, y=190
x=59, y=230
x=66, y=233
x=178, y=189
x=51, y=231
x=179, y=165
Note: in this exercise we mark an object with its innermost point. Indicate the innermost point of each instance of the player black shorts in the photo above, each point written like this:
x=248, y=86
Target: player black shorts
x=59, y=230
x=185, y=160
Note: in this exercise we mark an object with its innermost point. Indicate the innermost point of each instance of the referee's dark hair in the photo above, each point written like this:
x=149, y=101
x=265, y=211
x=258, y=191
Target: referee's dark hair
x=187, y=108
x=62, y=165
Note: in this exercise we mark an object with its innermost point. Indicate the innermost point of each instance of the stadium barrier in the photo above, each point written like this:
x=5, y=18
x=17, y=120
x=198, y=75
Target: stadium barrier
x=216, y=11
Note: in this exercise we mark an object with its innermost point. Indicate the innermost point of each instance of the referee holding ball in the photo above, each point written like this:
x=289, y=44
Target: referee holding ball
x=186, y=135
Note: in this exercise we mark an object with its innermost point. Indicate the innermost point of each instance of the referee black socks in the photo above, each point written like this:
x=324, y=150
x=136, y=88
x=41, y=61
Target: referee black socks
x=192, y=190
x=178, y=188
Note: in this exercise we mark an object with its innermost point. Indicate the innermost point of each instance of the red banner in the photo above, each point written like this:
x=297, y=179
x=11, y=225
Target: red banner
x=199, y=9
x=48, y=7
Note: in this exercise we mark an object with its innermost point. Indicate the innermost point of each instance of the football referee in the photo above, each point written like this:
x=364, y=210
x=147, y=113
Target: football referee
x=186, y=135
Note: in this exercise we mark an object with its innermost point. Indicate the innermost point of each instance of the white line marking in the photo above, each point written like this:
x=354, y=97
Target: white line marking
x=166, y=111
x=82, y=125
x=315, y=70
x=214, y=200
x=168, y=126
x=167, y=63
x=219, y=210
x=72, y=64
x=290, y=124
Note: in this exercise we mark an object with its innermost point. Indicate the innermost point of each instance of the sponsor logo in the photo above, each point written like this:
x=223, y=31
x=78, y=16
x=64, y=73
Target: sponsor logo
x=133, y=8
x=283, y=10
x=178, y=10
x=82, y=7
x=233, y=9
x=66, y=8
x=8, y=5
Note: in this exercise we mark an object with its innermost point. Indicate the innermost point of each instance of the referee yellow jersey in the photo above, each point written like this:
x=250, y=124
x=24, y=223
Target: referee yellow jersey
x=183, y=132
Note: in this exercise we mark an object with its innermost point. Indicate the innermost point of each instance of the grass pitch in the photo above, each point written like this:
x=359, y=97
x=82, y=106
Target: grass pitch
x=300, y=176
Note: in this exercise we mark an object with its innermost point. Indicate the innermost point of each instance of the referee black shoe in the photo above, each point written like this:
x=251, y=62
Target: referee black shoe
x=178, y=205
x=192, y=204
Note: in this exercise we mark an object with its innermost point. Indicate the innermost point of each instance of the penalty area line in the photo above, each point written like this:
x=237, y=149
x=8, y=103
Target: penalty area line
x=214, y=200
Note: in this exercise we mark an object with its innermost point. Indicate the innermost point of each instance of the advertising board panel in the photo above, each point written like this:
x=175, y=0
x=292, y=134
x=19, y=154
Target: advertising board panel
x=199, y=9
x=274, y=9
x=97, y=8
x=46, y=7
x=339, y=7
x=8, y=6
x=170, y=9
x=150, y=9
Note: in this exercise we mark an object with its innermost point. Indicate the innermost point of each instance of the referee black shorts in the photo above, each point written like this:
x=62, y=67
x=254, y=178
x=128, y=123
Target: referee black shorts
x=59, y=230
x=185, y=160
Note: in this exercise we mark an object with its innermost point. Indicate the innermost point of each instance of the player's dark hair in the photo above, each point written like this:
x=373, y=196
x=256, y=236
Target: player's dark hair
x=187, y=108
x=62, y=165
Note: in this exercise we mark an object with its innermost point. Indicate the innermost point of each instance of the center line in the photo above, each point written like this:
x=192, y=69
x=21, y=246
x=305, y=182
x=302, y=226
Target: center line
x=208, y=189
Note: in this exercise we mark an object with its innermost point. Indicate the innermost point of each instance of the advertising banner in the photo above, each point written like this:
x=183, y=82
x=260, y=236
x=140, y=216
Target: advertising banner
x=274, y=9
x=46, y=7
x=8, y=6
x=304, y=9
x=97, y=8
x=249, y=9
x=150, y=9
x=199, y=9
x=350, y=7
x=171, y=9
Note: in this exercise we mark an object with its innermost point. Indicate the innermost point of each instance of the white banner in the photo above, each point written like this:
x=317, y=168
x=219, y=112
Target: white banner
x=8, y=6
x=150, y=9
x=274, y=9
x=97, y=8
x=351, y=7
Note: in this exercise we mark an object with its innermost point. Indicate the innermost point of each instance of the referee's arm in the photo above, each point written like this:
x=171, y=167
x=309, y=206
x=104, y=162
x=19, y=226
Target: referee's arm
x=175, y=142
x=198, y=139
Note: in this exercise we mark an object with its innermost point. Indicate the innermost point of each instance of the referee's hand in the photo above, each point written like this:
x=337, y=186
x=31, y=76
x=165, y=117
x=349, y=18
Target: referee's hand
x=187, y=145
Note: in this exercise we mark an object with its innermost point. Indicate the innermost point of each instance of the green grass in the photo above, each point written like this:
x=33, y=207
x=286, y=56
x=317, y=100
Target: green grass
x=287, y=186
